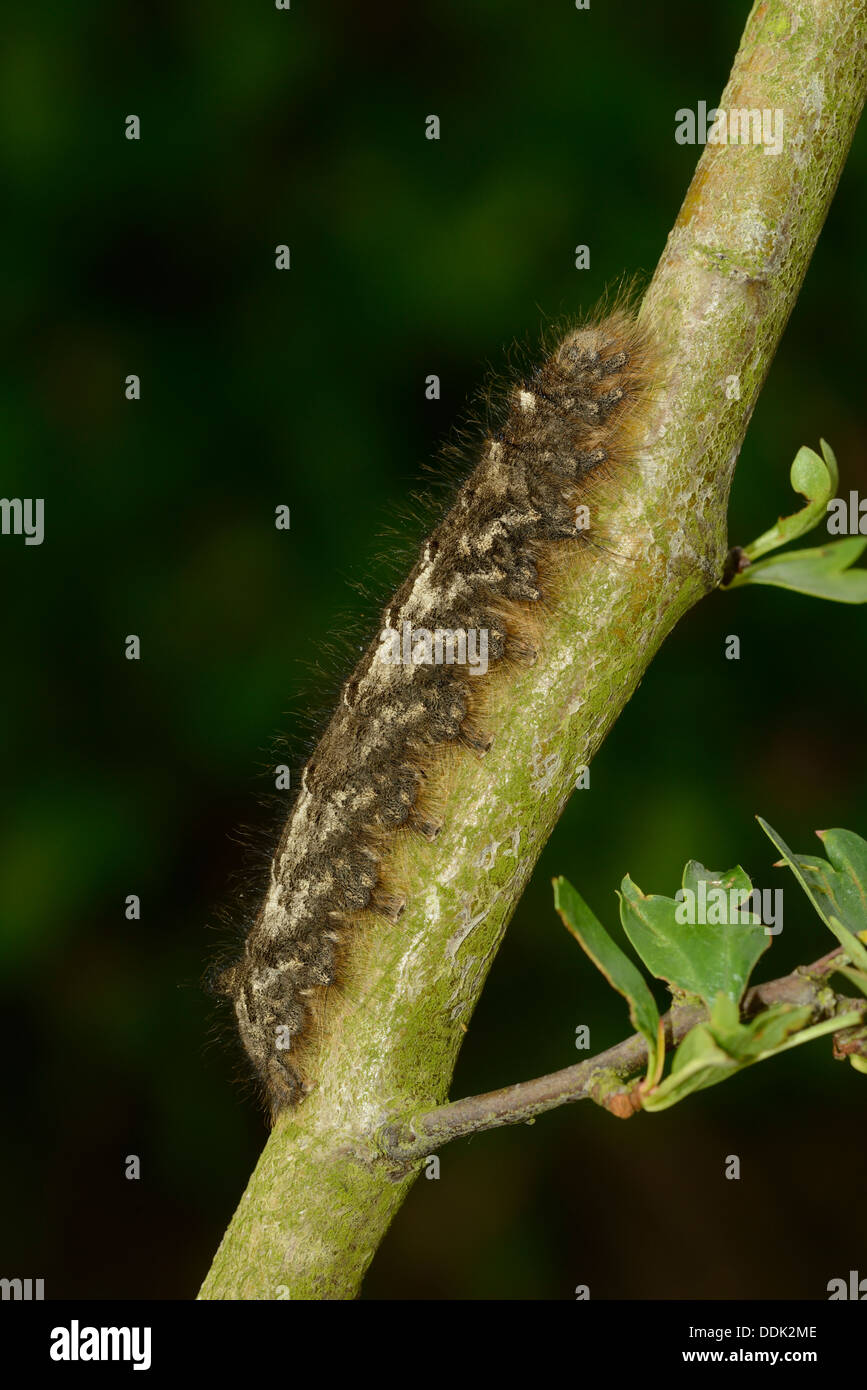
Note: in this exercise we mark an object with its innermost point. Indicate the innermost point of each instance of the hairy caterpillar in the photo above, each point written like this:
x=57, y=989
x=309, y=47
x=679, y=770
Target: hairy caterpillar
x=419, y=687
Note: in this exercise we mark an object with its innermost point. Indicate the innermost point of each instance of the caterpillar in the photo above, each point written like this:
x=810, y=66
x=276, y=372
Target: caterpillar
x=465, y=611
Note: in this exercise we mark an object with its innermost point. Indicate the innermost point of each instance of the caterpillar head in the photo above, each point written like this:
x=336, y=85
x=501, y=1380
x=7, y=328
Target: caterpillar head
x=268, y=1021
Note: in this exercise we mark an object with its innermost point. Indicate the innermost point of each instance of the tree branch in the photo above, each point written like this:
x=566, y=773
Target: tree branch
x=604, y=1078
x=322, y=1196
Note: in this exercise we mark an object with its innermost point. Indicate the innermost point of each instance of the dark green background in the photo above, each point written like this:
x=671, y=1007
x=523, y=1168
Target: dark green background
x=307, y=388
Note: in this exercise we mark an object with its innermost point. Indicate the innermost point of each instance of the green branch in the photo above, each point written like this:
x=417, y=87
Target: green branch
x=322, y=1196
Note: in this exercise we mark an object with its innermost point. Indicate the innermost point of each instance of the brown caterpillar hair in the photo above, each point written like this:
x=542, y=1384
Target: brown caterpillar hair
x=567, y=425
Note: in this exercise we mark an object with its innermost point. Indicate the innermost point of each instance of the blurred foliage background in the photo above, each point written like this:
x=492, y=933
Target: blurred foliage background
x=306, y=388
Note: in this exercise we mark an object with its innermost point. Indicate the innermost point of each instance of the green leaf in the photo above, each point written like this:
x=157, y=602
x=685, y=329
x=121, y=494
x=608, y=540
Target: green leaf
x=704, y=959
x=815, y=479
x=617, y=968
x=698, y=1063
x=823, y=572
x=712, y=1052
x=818, y=1030
x=837, y=889
x=751, y=1042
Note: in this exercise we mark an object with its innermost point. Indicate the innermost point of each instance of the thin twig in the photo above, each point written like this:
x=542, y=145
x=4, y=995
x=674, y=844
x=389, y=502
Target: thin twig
x=592, y=1079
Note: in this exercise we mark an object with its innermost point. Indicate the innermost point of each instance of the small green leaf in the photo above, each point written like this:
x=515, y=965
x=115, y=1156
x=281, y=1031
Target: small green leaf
x=617, y=968
x=698, y=1063
x=837, y=890
x=725, y=1020
x=751, y=1042
x=704, y=958
x=815, y=479
x=823, y=572
x=712, y=1052
x=818, y=1030
x=769, y=1031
